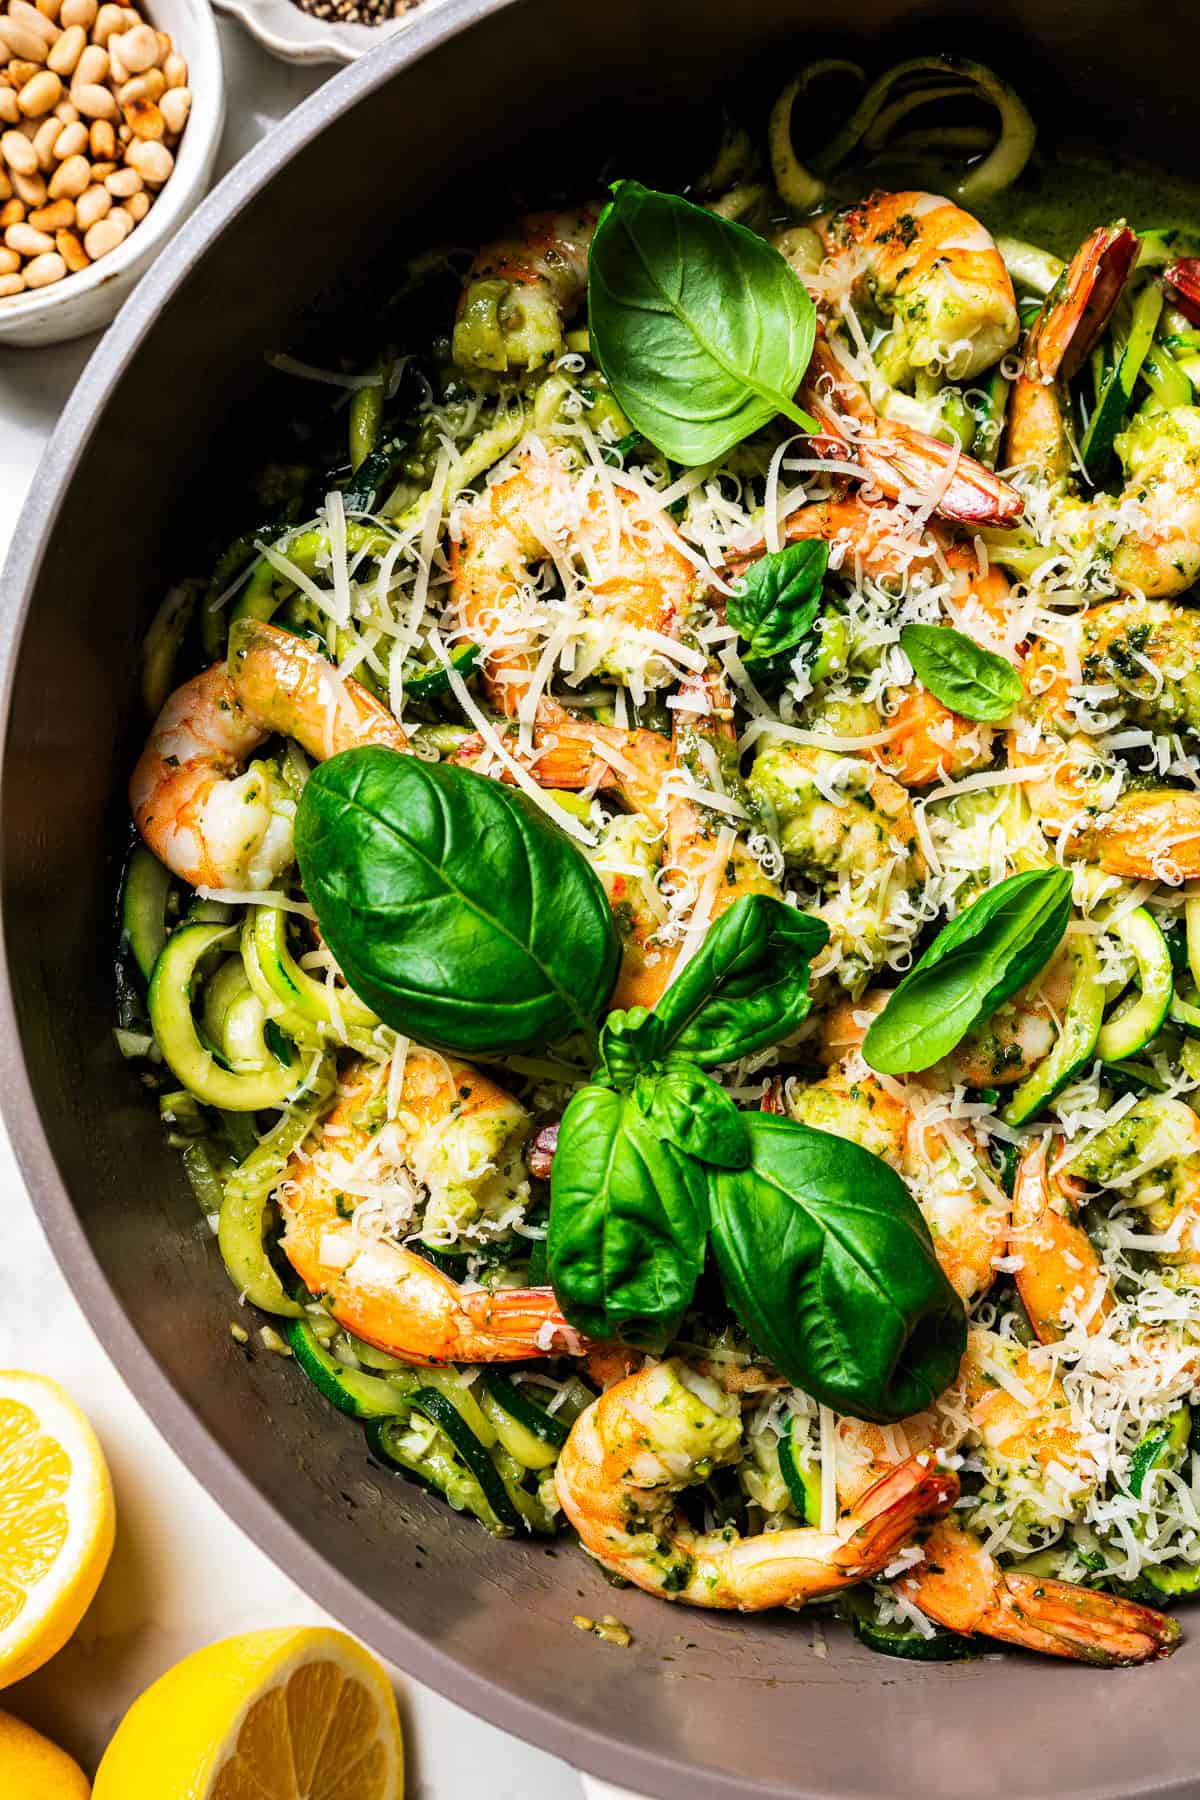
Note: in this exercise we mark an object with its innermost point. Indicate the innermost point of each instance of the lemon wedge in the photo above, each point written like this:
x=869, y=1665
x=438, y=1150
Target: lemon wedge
x=32, y=1768
x=56, y=1521
x=305, y=1714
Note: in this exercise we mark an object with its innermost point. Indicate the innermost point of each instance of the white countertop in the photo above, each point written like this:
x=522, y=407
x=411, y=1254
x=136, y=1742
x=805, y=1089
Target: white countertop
x=182, y=1574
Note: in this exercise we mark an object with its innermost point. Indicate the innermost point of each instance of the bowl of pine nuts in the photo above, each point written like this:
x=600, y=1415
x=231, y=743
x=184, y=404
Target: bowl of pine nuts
x=110, y=117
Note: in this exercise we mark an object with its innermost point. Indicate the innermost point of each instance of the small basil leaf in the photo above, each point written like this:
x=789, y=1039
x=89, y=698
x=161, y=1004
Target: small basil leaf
x=776, y=602
x=456, y=910
x=747, y=985
x=994, y=947
x=701, y=328
x=629, y=1042
x=970, y=680
x=687, y=1108
x=828, y=1264
x=628, y=1217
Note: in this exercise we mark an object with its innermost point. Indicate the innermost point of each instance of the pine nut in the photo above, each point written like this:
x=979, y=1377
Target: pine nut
x=92, y=65
x=41, y=95
x=18, y=153
x=18, y=40
x=11, y=213
x=49, y=8
x=68, y=50
x=27, y=240
x=139, y=49
x=149, y=86
x=44, y=270
x=175, y=69
x=30, y=188
x=94, y=101
x=45, y=142
x=34, y=21
x=122, y=218
x=19, y=71
x=103, y=141
x=78, y=12
x=71, y=178
x=58, y=216
x=72, y=140
x=175, y=105
x=152, y=161
x=67, y=113
x=10, y=262
x=137, y=206
x=144, y=120
x=122, y=183
x=5, y=185
x=10, y=112
x=102, y=170
x=10, y=285
x=104, y=237
x=109, y=19
x=91, y=207
x=116, y=67
x=71, y=251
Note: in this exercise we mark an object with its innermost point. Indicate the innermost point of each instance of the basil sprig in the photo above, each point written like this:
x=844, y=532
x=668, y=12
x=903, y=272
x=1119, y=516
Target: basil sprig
x=828, y=1263
x=775, y=603
x=701, y=328
x=991, y=949
x=971, y=681
x=453, y=906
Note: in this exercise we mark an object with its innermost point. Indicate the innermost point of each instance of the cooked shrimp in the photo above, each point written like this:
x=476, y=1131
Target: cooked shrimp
x=211, y=819
x=961, y=1586
x=1059, y=1278
x=935, y=276
x=459, y=1136
x=659, y=1431
x=521, y=288
x=896, y=458
x=1147, y=537
x=635, y=591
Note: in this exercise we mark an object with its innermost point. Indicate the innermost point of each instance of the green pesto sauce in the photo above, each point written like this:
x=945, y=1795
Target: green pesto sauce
x=1060, y=198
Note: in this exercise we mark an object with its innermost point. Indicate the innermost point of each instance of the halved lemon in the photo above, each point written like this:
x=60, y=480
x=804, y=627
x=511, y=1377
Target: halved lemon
x=57, y=1521
x=32, y=1768
x=305, y=1714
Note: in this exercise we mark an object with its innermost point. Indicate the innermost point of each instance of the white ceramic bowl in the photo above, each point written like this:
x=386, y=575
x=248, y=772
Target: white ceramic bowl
x=297, y=37
x=89, y=300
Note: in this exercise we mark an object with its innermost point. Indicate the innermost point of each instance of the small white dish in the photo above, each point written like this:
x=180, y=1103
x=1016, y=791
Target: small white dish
x=90, y=300
x=298, y=37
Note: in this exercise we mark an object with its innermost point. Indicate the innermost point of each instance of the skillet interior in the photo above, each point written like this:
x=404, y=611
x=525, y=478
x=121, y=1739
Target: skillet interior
x=700, y=1705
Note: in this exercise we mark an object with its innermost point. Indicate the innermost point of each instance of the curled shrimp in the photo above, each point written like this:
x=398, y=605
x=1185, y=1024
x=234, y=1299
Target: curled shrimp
x=1059, y=1275
x=211, y=819
x=460, y=1135
x=646, y=1439
x=636, y=591
x=521, y=288
x=1147, y=537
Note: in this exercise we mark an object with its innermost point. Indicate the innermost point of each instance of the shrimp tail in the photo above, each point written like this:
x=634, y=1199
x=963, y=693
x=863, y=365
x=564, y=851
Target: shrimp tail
x=1081, y=304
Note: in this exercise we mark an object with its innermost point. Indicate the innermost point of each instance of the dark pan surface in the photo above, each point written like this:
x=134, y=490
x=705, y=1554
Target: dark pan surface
x=701, y=1706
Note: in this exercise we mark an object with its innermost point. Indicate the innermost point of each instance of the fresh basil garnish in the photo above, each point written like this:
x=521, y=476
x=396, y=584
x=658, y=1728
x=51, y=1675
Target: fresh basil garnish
x=971, y=681
x=454, y=907
x=628, y=1218
x=776, y=601
x=828, y=1264
x=701, y=328
x=747, y=985
x=991, y=949
x=687, y=1108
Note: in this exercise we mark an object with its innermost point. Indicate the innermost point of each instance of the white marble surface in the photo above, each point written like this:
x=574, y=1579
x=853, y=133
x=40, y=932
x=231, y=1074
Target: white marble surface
x=182, y=1574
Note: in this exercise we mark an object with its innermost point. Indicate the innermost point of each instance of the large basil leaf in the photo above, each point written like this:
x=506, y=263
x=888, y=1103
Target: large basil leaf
x=776, y=602
x=971, y=681
x=687, y=1108
x=747, y=985
x=628, y=1216
x=828, y=1264
x=455, y=908
x=701, y=328
x=994, y=947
